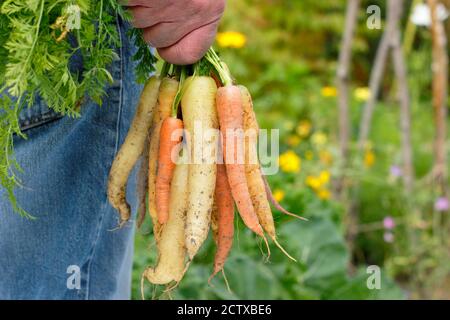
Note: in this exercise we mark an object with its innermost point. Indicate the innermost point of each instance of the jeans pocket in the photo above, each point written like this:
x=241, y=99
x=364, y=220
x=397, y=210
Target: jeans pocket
x=37, y=115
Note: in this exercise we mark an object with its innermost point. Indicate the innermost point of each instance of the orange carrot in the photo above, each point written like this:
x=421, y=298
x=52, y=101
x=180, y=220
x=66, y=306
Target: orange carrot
x=225, y=219
x=167, y=92
x=215, y=223
x=170, y=137
x=230, y=111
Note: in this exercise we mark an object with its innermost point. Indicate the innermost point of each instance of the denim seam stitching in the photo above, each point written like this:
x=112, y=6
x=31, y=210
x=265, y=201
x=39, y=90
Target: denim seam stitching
x=105, y=204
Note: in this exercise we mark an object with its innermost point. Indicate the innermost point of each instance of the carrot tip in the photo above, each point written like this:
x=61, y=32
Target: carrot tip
x=140, y=220
x=210, y=279
x=292, y=214
x=170, y=289
x=122, y=223
x=283, y=250
x=142, y=285
x=226, y=281
x=275, y=203
x=268, y=248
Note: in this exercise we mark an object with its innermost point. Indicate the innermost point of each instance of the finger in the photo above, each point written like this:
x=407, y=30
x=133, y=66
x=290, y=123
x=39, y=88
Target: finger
x=144, y=17
x=192, y=47
x=166, y=34
x=143, y=3
x=172, y=21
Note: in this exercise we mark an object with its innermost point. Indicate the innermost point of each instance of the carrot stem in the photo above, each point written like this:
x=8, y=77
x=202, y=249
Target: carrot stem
x=224, y=75
x=165, y=69
x=179, y=95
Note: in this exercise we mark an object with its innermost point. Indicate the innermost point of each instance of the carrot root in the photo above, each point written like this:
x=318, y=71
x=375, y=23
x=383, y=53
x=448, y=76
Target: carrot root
x=275, y=202
x=283, y=250
x=166, y=165
x=230, y=111
x=142, y=187
x=268, y=248
x=198, y=107
x=167, y=93
x=131, y=150
x=223, y=215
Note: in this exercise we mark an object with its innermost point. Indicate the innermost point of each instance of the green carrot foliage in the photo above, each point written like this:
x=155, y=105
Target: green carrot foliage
x=38, y=39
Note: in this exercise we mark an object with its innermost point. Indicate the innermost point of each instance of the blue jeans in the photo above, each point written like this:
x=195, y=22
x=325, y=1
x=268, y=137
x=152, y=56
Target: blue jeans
x=69, y=250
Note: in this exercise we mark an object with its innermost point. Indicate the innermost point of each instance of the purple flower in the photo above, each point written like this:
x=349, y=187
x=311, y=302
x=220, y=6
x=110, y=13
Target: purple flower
x=388, y=223
x=388, y=237
x=396, y=171
x=441, y=204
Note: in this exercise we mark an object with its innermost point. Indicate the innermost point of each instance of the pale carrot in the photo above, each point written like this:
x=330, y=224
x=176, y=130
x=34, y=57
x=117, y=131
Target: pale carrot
x=253, y=175
x=253, y=167
x=199, y=109
x=132, y=149
x=171, y=248
x=142, y=186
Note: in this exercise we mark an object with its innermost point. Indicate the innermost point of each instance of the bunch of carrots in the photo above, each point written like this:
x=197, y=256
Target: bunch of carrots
x=190, y=182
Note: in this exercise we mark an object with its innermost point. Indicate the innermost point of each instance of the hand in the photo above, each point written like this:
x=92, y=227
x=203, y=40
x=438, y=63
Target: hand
x=181, y=30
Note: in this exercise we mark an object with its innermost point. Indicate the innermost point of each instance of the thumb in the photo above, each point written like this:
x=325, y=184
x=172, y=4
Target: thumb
x=192, y=47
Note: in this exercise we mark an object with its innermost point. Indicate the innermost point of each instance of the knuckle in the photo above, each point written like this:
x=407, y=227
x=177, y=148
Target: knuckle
x=200, y=6
x=213, y=7
x=219, y=6
x=156, y=38
x=138, y=24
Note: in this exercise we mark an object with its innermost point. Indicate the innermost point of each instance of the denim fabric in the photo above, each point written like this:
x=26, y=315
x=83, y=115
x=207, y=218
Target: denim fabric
x=65, y=166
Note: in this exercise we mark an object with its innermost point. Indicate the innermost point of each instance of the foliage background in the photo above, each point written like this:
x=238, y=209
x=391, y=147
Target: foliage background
x=286, y=53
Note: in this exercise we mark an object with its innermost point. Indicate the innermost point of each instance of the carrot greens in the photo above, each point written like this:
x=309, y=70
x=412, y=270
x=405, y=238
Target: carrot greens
x=38, y=40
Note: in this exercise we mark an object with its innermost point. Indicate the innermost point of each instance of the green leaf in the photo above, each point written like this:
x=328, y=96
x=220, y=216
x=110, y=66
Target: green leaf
x=356, y=289
x=35, y=63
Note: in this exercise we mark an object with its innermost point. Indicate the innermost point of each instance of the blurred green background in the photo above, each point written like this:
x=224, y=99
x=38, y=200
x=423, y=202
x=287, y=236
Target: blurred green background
x=286, y=53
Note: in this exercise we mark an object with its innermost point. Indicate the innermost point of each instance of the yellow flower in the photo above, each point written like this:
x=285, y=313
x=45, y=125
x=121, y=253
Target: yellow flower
x=231, y=39
x=313, y=182
x=362, y=94
x=325, y=157
x=317, y=182
x=309, y=155
x=319, y=138
x=324, y=177
x=288, y=125
x=290, y=162
x=329, y=92
x=324, y=194
x=278, y=195
x=293, y=140
x=369, y=158
x=304, y=128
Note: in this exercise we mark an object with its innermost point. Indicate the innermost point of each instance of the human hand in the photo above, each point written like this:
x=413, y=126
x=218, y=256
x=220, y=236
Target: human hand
x=181, y=30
